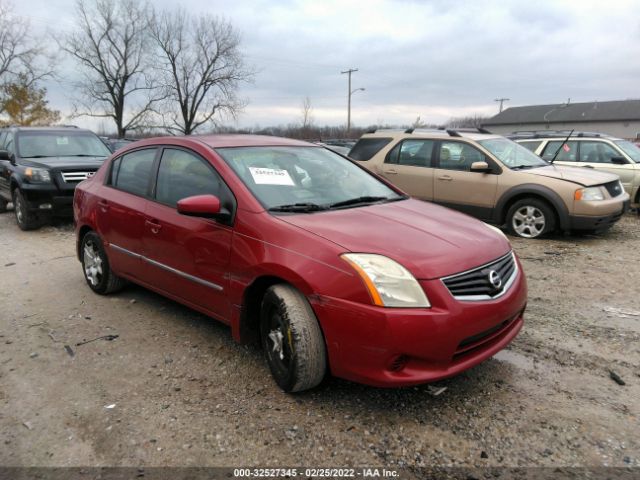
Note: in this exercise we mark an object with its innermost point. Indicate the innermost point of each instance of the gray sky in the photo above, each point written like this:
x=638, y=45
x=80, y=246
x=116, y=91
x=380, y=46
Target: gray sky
x=436, y=59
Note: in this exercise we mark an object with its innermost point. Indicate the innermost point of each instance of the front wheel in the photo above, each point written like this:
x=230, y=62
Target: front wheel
x=292, y=339
x=95, y=265
x=530, y=218
x=25, y=218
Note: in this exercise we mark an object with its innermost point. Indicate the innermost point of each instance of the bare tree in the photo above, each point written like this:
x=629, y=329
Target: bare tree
x=110, y=43
x=21, y=57
x=201, y=67
x=470, y=121
x=307, y=116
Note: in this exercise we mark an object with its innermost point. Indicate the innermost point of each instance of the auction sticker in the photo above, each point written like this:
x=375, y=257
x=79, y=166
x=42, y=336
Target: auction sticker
x=270, y=176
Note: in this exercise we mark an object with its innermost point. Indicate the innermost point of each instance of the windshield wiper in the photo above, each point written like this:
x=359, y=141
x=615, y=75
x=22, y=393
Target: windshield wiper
x=298, y=207
x=357, y=201
x=37, y=156
x=83, y=155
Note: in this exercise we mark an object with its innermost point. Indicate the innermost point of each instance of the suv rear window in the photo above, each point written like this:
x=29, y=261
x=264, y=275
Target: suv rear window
x=367, y=148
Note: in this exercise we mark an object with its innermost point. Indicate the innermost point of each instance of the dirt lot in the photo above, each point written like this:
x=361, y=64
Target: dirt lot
x=174, y=389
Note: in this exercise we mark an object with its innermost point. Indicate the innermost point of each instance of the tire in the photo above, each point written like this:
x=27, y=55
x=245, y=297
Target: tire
x=531, y=218
x=3, y=205
x=95, y=266
x=26, y=219
x=292, y=340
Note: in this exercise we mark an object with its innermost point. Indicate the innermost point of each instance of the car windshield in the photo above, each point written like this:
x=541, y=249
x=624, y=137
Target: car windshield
x=60, y=144
x=630, y=149
x=512, y=154
x=304, y=179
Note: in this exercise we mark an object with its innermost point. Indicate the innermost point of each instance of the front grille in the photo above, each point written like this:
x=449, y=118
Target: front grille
x=614, y=188
x=485, y=282
x=73, y=177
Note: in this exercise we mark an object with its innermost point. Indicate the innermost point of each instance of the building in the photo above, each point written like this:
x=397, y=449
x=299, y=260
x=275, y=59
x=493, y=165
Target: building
x=619, y=118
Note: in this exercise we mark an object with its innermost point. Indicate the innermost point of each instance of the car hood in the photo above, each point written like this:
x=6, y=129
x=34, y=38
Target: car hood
x=63, y=162
x=429, y=240
x=582, y=176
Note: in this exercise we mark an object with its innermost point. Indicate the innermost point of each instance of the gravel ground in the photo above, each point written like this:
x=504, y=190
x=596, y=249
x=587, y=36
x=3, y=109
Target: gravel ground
x=173, y=389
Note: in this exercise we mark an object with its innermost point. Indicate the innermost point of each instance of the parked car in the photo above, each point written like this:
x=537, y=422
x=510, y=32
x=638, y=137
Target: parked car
x=333, y=269
x=114, y=144
x=494, y=179
x=40, y=168
x=342, y=150
x=590, y=150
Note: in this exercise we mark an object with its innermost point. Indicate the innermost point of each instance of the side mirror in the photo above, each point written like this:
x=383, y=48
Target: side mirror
x=5, y=155
x=205, y=206
x=480, y=167
x=619, y=160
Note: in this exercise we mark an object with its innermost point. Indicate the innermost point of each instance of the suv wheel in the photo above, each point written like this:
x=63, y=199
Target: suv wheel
x=530, y=218
x=26, y=220
x=96, y=268
x=292, y=340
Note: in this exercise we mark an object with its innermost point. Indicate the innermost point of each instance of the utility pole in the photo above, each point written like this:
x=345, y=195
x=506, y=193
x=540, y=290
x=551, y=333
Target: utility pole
x=349, y=93
x=501, y=100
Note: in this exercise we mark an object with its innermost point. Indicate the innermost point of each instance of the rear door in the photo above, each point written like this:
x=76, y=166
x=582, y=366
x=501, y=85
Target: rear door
x=121, y=206
x=188, y=257
x=409, y=166
x=456, y=186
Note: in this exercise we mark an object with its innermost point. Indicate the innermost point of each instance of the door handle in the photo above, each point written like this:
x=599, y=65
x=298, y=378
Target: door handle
x=390, y=171
x=445, y=177
x=153, y=225
x=104, y=206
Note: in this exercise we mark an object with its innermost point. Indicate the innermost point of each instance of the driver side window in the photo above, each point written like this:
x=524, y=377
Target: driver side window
x=459, y=156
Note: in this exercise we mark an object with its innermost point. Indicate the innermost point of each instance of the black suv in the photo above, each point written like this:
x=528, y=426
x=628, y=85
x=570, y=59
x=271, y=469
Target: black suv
x=40, y=168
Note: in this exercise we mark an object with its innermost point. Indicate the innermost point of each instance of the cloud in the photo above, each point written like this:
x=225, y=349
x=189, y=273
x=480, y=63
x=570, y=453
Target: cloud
x=437, y=59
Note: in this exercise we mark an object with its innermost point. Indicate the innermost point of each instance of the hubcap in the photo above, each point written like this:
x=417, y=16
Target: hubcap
x=278, y=342
x=18, y=207
x=276, y=338
x=92, y=263
x=528, y=222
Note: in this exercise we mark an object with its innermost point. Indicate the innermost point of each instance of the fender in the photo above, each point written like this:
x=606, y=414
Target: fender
x=534, y=190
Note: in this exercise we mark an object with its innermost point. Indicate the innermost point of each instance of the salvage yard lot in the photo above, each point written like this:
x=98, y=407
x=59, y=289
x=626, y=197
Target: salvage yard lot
x=174, y=389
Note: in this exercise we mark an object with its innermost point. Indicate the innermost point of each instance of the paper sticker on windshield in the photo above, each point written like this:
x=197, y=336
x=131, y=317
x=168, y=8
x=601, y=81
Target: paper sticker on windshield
x=270, y=176
x=62, y=140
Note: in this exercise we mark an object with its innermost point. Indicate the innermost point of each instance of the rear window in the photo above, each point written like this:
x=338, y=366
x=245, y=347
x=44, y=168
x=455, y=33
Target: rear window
x=367, y=148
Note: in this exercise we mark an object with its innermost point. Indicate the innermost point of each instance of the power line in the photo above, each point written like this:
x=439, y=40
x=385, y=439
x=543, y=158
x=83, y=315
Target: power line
x=501, y=100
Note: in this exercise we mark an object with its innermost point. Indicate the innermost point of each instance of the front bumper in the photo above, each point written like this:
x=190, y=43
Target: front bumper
x=598, y=222
x=49, y=199
x=393, y=347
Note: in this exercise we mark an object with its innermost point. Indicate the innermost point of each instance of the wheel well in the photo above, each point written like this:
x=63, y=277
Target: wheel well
x=83, y=231
x=522, y=196
x=251, y=303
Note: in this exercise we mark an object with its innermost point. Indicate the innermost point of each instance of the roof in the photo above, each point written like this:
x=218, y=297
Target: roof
x=449, y=134
x=618, y=110
x=245, y=140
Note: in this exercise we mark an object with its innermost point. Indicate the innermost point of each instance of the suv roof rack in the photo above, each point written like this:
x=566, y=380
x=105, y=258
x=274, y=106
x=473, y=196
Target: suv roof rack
x=455, y=132
x=553, y=133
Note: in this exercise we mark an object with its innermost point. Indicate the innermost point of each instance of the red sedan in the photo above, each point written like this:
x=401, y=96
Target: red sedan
x=332, y=268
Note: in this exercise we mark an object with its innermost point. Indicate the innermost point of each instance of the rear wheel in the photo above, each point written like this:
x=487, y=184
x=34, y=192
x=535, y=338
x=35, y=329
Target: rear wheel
x=530, y=218
x=95, y=265
x=292, y=339
x=26, y=219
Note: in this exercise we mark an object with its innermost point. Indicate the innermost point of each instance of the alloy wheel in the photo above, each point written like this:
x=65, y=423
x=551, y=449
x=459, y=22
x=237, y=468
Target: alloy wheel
x=528, y=221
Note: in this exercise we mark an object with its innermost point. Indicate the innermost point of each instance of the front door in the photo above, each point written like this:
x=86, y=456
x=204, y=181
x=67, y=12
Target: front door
x=188, y=257
x=456, y=186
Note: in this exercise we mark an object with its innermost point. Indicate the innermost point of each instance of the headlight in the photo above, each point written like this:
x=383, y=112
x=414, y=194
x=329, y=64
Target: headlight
x=388, y=282
x=591, y=193
x=498, y=231
x=37, y=175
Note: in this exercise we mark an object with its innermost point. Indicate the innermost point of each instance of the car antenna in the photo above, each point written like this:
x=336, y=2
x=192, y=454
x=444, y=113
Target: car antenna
x=561, y=145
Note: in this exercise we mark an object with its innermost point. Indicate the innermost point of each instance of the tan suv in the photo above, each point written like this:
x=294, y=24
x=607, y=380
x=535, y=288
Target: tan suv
x=590, y=150
x=494, y=179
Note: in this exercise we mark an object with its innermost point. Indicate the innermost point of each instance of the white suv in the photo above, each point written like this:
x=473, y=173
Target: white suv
x=589, y=150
